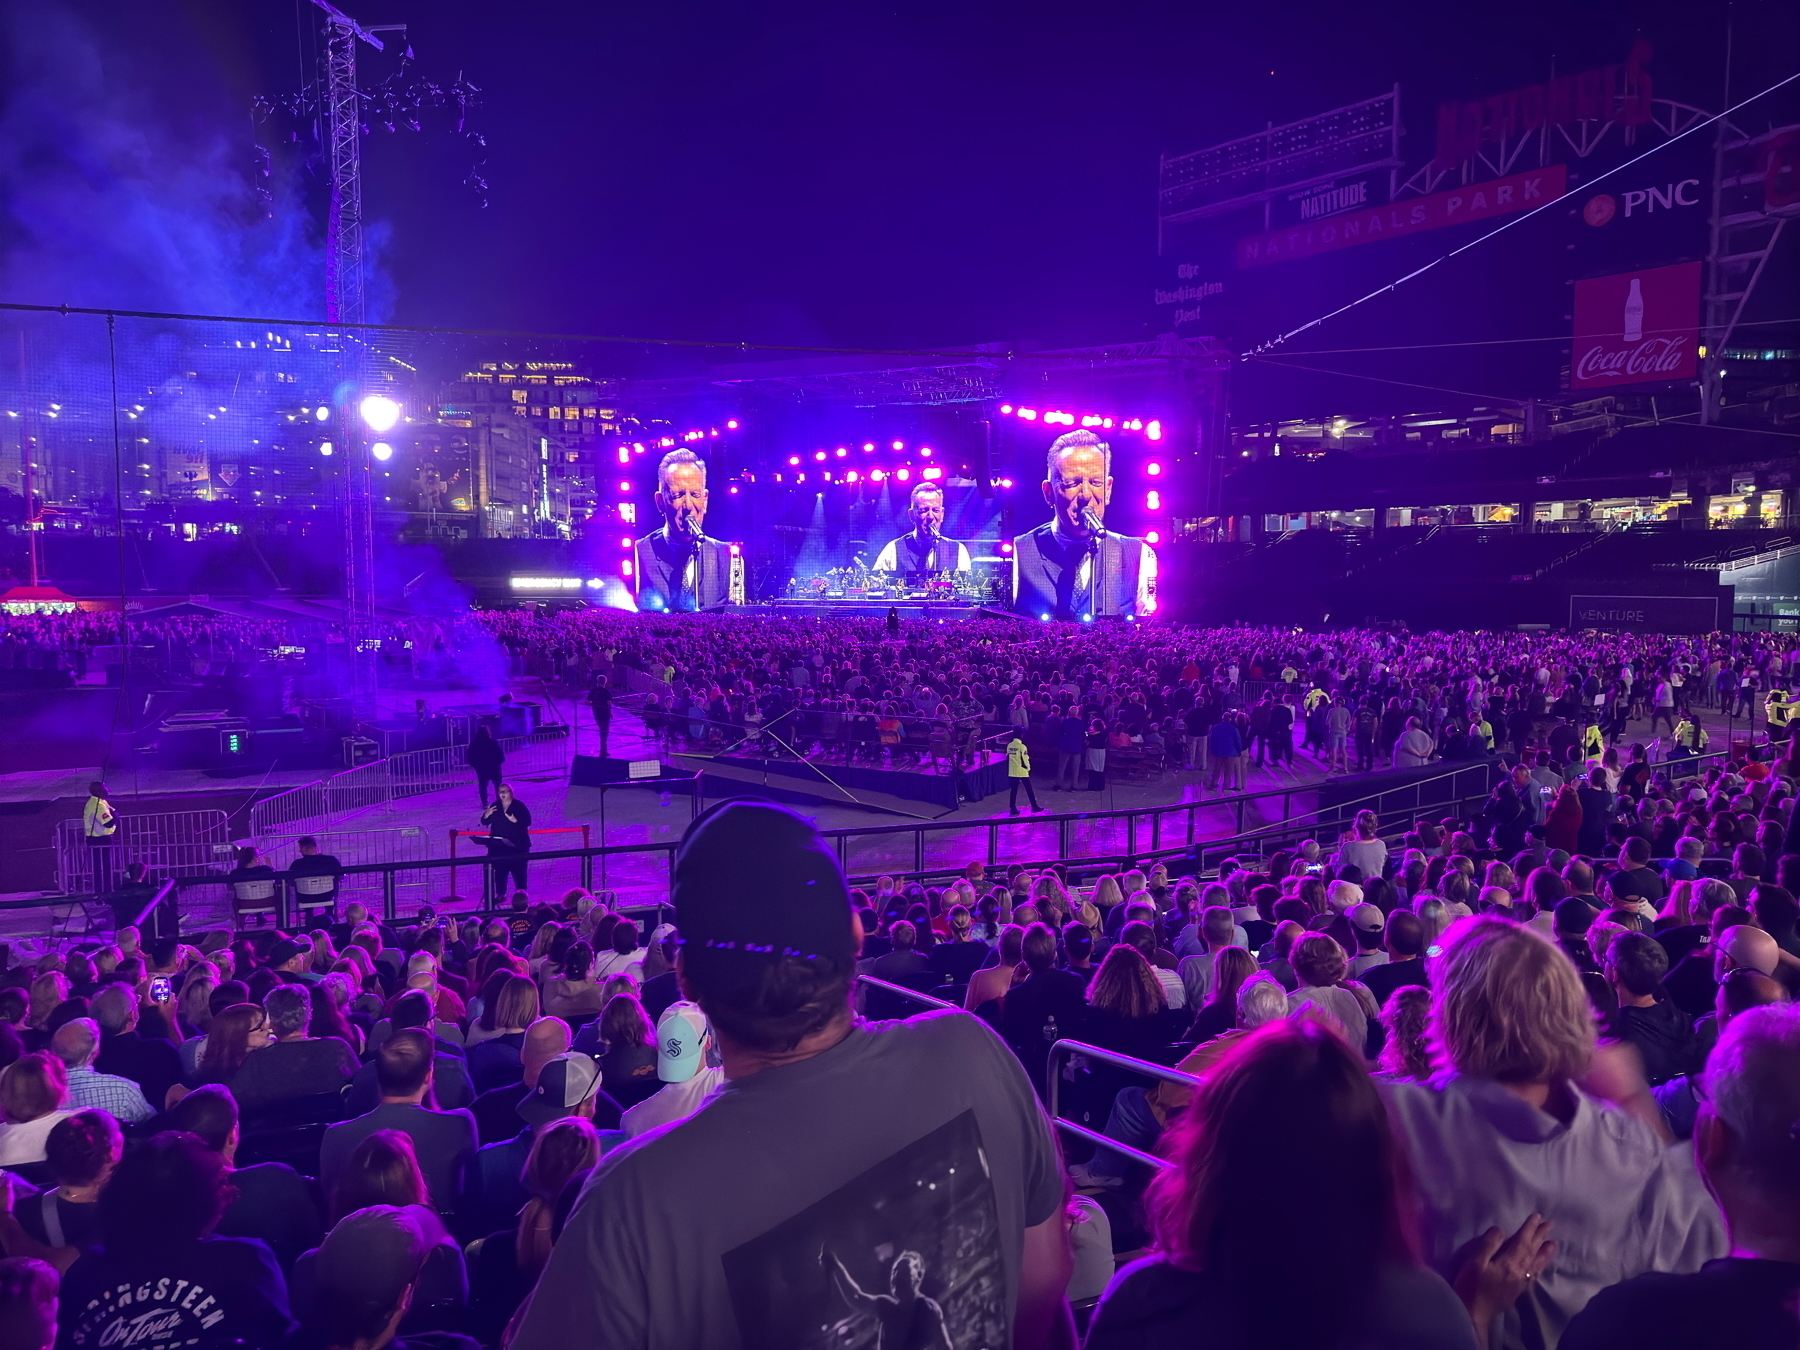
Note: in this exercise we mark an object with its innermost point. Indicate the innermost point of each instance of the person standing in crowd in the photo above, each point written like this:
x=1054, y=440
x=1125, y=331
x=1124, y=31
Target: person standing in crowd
x=485, y=755
x=600, y=702
x=99, y=823
x=508, y=840
x=815, y=1144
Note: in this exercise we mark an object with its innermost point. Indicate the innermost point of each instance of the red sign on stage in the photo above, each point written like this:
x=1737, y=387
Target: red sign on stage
x=1636, y=328
x=1415, y=215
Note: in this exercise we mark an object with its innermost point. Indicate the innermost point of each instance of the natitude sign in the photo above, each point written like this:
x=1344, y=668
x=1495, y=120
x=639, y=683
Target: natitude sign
x=1478, y=201
x=1636, y=328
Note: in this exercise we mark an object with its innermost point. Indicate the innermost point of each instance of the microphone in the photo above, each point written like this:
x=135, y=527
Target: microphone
x=691, y=528
x=1091, y=522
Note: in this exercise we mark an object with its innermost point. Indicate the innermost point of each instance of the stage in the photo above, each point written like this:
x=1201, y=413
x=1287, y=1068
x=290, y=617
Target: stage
x=860, y=607
x=896, y=790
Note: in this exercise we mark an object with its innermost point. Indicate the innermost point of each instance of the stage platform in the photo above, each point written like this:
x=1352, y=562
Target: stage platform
x=863, y=608
x=899, y=790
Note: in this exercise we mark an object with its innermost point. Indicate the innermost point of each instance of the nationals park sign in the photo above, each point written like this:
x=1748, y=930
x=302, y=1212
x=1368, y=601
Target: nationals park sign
x=1480, y=201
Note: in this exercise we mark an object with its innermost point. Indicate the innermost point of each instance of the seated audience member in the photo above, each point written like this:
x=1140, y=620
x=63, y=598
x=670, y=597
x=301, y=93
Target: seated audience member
x=382, y=1171
x=990, y=983
x=1126, y=1011
x=34, y=1096
x=1322, y=969
x=451, y=1089
x=1231, y=1266
x=1745, y=1147
x=1215, y=932
x=572, y=993
x=685, y=1055
x=157, y=1244
x=28, y=1303
x=272, y=1202
x=1231, y=969
x=496, y=1110
x=1406, y=1053
x=1678, y=1100
x=368, y=1277
x=153, y=1063
x=567, y=1087
x=63, y=1223
x=627, y=1051
x=507, y=1263
x=444, y=1141
x=1506, y=1126
x=76, y=1044
x=294, y=1064
x=650, y=1255
x=956, y=960
x=1646, y=1018
x=496, y=1061
x=1139, y=1114
x=1403, y=940
x=662, y=989
x=905, y=964
x=237, y=1033
x=1047, y=1000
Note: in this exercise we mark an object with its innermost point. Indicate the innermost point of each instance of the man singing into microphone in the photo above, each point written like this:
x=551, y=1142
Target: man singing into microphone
x=679, y=569
x=1074, y=568
x=925, y=550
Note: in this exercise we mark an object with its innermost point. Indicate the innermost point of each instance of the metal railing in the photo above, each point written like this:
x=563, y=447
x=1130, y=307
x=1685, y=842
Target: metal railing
x=1053, y=1077
x=166, y=841
x=412, y=774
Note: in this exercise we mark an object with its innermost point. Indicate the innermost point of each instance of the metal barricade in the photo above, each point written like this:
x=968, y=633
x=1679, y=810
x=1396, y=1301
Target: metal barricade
x=412, y=774
x=1053, y=1075
x=407, y=843
x=170, y=843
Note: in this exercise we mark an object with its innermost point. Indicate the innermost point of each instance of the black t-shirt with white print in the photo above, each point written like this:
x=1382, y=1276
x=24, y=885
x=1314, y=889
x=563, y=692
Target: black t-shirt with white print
x=216, y=1292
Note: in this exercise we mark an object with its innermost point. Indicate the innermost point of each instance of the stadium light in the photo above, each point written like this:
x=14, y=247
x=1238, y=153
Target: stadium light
x=380, y=412
x=382, y=450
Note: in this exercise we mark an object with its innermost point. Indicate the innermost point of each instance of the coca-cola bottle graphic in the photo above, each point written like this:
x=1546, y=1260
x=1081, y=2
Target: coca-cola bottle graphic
x=1634, y=312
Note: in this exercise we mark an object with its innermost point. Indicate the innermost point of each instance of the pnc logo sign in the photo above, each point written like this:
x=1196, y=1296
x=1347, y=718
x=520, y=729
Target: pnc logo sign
x=1602, y=207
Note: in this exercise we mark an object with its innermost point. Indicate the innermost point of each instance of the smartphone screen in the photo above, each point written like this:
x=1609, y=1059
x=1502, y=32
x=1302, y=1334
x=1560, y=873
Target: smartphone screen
x=161, y=989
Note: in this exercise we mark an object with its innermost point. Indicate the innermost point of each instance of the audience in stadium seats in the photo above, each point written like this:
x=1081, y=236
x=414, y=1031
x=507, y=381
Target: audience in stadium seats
x=1514, y=1011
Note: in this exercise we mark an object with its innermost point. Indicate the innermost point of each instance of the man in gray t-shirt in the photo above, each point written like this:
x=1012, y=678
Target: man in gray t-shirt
x=886, y=1184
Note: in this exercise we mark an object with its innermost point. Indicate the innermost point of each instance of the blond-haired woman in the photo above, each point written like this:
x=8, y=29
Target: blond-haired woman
x=1524, y=1117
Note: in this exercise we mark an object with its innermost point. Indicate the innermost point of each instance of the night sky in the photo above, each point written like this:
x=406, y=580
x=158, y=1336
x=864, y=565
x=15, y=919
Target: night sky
x=839, y=173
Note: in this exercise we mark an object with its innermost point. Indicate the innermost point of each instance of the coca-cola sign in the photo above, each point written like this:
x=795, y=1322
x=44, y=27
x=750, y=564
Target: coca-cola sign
x=1636, y=328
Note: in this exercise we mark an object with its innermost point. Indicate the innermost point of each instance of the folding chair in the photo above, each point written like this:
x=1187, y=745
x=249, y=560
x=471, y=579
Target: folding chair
x=256, y=896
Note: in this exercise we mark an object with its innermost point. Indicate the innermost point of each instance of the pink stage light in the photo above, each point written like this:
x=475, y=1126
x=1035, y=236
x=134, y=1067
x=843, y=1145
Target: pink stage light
x=903, y=474
x=1153, y=501
x=850, y=477
x=1153, y=431
x=793, y=461
x=842, y=452
x=731, y=425
x=1153, y=468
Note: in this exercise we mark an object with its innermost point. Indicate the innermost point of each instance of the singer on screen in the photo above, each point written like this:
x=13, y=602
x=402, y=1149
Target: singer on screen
x=925, y=551
x=679, y=569
x=1074, y=567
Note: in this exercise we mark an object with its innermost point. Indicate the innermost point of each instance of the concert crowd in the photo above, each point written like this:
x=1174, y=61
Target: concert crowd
x=1524, y=1076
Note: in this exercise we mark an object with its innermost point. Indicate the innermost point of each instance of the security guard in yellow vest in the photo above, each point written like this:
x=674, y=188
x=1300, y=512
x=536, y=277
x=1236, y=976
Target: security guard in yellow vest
x=1778, y=711
x=1018, y=770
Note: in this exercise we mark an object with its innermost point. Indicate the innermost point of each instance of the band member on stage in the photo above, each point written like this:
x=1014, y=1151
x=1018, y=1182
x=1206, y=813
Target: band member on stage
x=1074, y=567
x=925, y=550
x=679, y=569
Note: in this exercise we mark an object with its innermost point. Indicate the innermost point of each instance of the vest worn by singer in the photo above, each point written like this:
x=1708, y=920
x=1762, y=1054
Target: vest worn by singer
x=1048, y=575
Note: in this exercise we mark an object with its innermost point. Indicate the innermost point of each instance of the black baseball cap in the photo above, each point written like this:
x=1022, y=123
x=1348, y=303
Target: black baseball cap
x=563, y=1084
x=755, y=877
